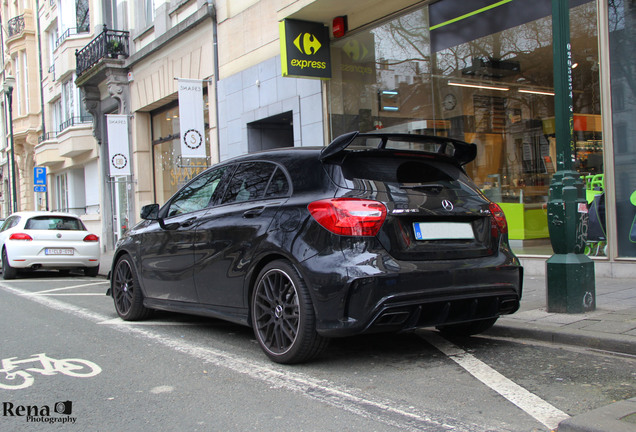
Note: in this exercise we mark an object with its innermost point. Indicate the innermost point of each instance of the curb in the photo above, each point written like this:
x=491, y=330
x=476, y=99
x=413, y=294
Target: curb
x=601, y=341
x=617, y=417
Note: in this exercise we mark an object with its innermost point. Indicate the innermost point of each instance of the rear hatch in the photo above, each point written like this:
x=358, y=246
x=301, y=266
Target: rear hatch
x=434, y=210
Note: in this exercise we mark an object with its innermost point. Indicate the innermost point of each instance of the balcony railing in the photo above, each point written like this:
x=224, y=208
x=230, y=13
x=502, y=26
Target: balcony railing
x=16, y=25
x=47, y=136
x=70, y=32
x=109, y=43
x=87, y=118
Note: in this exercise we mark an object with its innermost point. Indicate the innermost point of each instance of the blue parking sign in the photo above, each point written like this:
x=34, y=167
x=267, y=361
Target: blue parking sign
x=39, y=176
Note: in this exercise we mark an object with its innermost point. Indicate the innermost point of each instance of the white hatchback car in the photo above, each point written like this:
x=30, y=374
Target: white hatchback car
x=60, y=241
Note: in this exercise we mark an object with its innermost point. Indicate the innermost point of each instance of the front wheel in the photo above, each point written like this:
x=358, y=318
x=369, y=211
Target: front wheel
x=467, y=328
x=283, y=316
x=127, y=295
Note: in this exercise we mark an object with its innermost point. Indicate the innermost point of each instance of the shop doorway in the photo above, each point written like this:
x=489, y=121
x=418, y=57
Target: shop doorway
x=271, y=132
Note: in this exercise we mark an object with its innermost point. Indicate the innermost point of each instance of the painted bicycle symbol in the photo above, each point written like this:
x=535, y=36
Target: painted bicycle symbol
x=14, y=377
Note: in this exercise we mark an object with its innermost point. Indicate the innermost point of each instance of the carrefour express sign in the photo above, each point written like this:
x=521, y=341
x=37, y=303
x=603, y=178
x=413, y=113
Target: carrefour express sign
x=304, y=48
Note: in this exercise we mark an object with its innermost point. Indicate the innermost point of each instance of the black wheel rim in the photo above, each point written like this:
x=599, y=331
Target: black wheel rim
x=123, y=287
x=276, y=311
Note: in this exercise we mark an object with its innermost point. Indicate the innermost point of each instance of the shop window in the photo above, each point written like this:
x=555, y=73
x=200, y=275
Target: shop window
x=483, y=77
x=622, y=22
x=171, y=171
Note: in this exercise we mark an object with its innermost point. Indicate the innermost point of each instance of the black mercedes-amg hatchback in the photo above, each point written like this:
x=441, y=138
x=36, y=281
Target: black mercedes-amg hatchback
x=373, y=233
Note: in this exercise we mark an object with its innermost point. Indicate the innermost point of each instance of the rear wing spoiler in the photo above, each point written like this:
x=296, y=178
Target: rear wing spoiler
x=460, y=151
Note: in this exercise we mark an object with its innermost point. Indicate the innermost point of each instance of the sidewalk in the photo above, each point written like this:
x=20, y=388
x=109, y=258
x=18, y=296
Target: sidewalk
x=611, y=327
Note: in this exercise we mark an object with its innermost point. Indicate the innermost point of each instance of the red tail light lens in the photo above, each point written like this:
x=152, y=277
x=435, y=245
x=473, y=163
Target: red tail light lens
x=349, y=216
x=499, y=219
x=20, y=236
x=91, y=238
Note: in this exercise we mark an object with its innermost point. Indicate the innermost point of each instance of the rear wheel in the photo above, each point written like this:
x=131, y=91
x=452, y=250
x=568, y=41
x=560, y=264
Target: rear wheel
x=127, y=295
x=8, y=272
x=283, y=316
x=467, y=328
x=91, y=271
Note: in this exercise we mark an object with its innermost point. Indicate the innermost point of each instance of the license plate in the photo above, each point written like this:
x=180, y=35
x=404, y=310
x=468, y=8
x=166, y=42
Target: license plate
x=58, y=251
x=443, y=231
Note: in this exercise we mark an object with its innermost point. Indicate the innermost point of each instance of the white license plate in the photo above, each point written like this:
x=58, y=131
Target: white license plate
x=443, y=231
x=58, y=251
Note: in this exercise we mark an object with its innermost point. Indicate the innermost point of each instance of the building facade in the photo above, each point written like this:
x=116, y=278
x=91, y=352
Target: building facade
x=21, y=74
x=479, y=71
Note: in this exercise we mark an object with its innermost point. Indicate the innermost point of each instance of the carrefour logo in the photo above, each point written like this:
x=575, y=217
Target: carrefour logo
x=307, y=43
x=305, y=49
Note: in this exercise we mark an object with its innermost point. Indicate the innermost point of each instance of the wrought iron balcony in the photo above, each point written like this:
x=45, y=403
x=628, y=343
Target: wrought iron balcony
x=109, y=43
x=72, y=121
x=16, y=25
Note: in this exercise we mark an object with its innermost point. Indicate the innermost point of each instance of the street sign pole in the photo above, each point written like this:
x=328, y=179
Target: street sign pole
x=570, y=273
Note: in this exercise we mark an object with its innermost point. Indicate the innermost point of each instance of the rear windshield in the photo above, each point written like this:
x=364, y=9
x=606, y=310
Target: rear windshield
x=404, y=172
x=55, y=223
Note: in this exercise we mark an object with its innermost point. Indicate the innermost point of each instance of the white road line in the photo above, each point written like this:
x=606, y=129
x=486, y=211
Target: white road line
x=389, y=412
x=71, y=287
x=532, y=404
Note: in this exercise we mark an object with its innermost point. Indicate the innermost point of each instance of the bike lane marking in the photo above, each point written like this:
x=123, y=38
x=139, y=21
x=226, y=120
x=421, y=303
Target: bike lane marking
x=532, y=404
x=389, y=412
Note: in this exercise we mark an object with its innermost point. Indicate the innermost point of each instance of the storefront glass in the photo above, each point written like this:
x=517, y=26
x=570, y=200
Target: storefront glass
x=622, y=31
x=170, y=170
x=481, y=72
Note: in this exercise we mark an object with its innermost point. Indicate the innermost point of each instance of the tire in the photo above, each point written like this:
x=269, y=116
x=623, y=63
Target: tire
x=8, y=272
x=283, y=316
x=468, y=328
x=91, y=271
x=127, y=295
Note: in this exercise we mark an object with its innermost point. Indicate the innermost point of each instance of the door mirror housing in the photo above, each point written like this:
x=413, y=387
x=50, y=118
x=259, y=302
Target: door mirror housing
x=150, y=212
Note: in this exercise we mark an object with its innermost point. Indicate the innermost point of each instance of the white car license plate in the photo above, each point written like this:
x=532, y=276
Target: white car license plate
x=443, y=231
x=58, y=251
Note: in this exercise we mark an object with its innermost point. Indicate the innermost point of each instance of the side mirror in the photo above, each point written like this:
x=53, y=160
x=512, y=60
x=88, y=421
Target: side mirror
x=150, y=212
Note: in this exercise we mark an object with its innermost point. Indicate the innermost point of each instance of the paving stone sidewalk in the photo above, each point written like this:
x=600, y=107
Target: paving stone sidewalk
x=611, y=327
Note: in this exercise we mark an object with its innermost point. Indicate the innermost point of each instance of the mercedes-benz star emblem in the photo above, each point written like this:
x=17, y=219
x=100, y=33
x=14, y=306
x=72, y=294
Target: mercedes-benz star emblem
x=448, y=206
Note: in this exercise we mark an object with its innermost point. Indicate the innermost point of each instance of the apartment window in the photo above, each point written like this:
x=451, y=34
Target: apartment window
x=17, y=91
x=149, y=11
x=61, y=189
x=82, y=16
x=68, y=104
x=25, y=82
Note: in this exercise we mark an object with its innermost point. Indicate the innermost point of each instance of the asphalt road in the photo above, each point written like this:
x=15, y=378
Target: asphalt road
x=176, y=372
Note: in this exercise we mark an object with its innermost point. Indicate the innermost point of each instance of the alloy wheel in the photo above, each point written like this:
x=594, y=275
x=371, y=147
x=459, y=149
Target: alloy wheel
x=277, y=311
x=123, y=287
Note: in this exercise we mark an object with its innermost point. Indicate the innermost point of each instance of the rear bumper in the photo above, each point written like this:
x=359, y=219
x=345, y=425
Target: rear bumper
x=35, y=257
x=383, y=294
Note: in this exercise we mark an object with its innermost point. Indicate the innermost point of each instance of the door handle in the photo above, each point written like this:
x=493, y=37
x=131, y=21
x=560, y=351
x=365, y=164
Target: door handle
x=188, y=222
x=251, y=213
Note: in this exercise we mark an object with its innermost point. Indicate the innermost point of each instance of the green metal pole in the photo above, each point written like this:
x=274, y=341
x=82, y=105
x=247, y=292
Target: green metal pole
x=570, y=273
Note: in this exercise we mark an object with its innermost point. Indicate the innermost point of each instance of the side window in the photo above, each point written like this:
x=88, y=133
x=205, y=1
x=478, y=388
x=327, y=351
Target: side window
x=278, y=186
x=197, y=194
x=249, y=182
x=10, y=222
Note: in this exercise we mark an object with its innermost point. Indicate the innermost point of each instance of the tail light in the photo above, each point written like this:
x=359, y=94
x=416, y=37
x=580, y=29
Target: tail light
x=349, y=216
x=20, y=236
x=499, y=224
x=91, y=238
